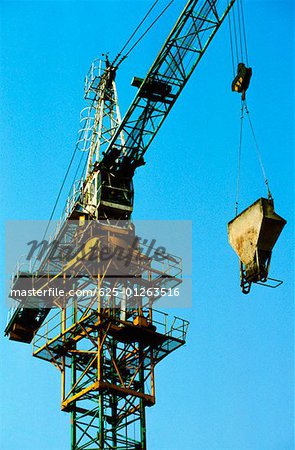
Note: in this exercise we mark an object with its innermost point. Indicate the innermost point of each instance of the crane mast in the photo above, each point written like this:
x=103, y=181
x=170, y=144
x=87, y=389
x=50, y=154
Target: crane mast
x=106, y=347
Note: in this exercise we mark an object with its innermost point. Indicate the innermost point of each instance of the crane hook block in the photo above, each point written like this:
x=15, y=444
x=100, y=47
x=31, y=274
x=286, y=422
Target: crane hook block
x=242, y=80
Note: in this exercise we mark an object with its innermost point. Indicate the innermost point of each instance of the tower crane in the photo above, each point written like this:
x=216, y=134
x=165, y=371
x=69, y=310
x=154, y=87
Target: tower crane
x=106, y=347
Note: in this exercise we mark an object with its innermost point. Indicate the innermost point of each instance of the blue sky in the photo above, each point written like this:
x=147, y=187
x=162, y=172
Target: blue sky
x=231, y=387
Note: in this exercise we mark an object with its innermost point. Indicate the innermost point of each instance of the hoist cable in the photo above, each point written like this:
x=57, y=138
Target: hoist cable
x=235, y=34
x=258, y=152
x=239, y=159
x=231, y=44
x=134, y=32
x=240, y=31
x=244, y=32
x=237, y=30
x=144, y=34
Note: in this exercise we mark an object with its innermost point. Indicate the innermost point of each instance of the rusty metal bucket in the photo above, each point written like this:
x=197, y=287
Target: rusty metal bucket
x=252, y=235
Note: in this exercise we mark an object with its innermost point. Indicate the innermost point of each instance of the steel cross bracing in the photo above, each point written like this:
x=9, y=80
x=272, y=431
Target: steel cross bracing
x=107, y=373
x=106, y=354
x=173, y=67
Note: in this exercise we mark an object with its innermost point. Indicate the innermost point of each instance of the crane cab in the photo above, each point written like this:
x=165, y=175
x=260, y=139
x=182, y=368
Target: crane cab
x=108, y=196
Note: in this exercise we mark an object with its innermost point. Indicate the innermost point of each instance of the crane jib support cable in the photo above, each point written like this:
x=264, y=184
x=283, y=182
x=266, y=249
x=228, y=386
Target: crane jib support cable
x=132, y=35
x=182, y=51
x=148, y=29
x=142, y=36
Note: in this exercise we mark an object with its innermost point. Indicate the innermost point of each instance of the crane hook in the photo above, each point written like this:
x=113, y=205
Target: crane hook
x=242, y=80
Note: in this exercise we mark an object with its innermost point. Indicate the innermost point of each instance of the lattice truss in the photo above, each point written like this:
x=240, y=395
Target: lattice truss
x=107, y=366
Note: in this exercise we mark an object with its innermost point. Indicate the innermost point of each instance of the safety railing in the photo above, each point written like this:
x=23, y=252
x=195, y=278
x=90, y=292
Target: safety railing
x=25, y=265
x=73, y=197
x=49, y=330
x=179, y=328
x=63, y=321
x=164, y=263
x=12, y=310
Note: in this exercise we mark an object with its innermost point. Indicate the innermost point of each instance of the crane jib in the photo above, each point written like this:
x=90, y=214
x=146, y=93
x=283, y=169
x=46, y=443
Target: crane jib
x=172, y=68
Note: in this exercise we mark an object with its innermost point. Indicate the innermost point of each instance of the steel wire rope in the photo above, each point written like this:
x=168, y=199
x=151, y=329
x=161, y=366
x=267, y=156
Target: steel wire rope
x=134, y=32
x=58, y=196
x=244, y=110
x=240, y=34
x=240, y=30
x=143, y=35
x=231, y=44
x=77, y=171
x=244, y=31
x=79, y=166
x=238, y=182
x=258, y=152
x=235, y=34
x=238, y=38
